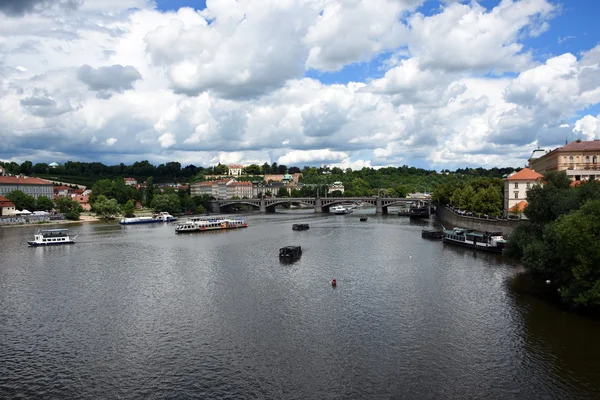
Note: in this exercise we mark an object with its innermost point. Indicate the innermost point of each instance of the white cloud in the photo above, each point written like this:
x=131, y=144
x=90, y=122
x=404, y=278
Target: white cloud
x=229, y=83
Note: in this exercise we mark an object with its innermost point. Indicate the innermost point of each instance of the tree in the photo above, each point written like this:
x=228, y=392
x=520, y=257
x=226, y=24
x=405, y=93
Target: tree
x=488, y=201
x=43, y=203
x=221, y=169
x=252, y=169
x=149, y=191
x=105, y=207
x=21, y=200
x=129, y=209
x=26, y=168
x=69, y=207
x=166, y=202
x=283, y=192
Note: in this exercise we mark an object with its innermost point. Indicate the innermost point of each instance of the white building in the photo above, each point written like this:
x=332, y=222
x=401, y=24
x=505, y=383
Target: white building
x=336, y=186
x=235, y=169
x=130, y=181
x=34, y=187
x=515, y=190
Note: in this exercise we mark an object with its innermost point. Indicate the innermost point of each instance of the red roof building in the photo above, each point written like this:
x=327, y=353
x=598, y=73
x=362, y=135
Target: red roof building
x=7, y=207
x=34, y=187
x=516, y=187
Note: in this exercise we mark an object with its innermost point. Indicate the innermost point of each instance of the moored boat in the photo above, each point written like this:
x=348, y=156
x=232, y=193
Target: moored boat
x=160, y=217
x=487, y=241
x=364, y=218
x=340, y=210
x=202, y=224
x=290, y=251
x=300, y=227
x=51, y=237
x=431, y=234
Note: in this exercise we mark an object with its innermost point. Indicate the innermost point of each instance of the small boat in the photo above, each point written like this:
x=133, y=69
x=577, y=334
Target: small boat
x=160, y=217
x=364, y=218
x=300, y=227
x=51, y=237
x=431, y=234
x=340, y=210
x=202, y=224
x=290, y=252
x=486, y=241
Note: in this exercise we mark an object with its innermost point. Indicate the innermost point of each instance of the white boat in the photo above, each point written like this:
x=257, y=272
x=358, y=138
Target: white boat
x=201, y=224
x=160, y=217
x=51, y=237
x=340, y=210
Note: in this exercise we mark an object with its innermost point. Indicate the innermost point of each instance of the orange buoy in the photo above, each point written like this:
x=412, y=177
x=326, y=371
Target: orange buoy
x=333, y=282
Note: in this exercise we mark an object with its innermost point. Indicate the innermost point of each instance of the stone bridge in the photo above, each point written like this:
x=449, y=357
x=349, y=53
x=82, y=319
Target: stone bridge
x=320, y=204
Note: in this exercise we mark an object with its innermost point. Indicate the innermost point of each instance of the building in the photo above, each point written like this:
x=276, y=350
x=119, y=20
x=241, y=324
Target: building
x=2, y=170
x=235, y=169
x=579, y=159
x=34, y=187
x=515, y=189
x=336, y=186
x=62, y=191
x=83, y=201
x=7, y=207
x=130, y=181
x=216, y=189
x=239, y=189
x=281, y=177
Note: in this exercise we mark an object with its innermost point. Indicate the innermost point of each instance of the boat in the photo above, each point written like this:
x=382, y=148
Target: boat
x=364, y=218
x=160, y=217
x=486, y=241
x=202, y=224
x=340, y=210
x=290, y=252
x=51, y=237
x=432, y=234
x=300, y=227
x=416, y=209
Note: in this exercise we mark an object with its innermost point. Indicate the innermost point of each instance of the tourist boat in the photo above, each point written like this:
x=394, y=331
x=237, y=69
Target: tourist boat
x=201, y=224
x=300, y=227
x=340, y=210
x=51, y=237
x=290, y=252
x=364, y=218
x=160, y=217
x=416, y=209
x=487, y=241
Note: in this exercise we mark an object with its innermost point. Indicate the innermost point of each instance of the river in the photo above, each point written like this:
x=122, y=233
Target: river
x=140, y=312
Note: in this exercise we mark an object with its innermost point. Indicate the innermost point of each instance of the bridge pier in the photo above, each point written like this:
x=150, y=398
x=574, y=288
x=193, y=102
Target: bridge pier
x=263, y=206
x=318, y=205
x=379, y=206
x=215, y=207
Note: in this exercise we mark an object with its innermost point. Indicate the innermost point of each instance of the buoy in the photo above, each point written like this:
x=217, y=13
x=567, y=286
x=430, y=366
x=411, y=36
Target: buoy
x=548, y=282
x=333, y=282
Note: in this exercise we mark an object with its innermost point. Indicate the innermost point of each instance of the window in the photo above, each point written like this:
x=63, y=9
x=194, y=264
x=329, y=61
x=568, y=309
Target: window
x=587, y=159
x=528, y=184
x=594, y=159
x=571, y=159
x=516, y=185
x=516, y=195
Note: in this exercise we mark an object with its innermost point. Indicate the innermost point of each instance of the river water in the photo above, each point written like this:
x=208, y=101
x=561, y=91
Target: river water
x=140, y=312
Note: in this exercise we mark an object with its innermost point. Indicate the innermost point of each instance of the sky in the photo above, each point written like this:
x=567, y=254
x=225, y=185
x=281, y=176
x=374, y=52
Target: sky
x=436, y=84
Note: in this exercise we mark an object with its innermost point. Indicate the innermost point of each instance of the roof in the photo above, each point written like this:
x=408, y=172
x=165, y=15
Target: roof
x=4, y=202
x=537, y=153
x=23, y=180
x=235, y=166
x=240, y=184
x=580, y=145
x=525, y=174
x=130, y=179
x=519, y=207
x=575, y=183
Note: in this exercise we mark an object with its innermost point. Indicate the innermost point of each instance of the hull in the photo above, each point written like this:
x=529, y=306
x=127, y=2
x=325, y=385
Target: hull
x=140, y=222
x=489, y=249
x=210, y=229
x=38, y=244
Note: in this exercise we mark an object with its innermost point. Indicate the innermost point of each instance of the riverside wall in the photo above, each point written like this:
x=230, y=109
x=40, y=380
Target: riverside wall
x=448, y=216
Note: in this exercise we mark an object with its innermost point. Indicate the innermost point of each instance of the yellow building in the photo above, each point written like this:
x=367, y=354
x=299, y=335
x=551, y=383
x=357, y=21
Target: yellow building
x=580, y=159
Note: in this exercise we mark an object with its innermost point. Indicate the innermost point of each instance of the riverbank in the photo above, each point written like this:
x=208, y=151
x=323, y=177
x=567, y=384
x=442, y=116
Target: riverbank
x=84, y=218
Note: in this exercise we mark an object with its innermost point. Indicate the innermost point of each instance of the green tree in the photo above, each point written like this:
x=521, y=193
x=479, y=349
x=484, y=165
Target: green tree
x=149, y=191
x=252, y=169
x=43, y=203
x=283, y=192
x=129, y=209
x=105, y=207
x=69, y=207
x=221, y=169
x=166, y=202
x=488, y=201
x=21, y=200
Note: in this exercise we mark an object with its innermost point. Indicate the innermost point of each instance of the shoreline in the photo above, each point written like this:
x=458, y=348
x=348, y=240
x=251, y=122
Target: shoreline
x=82, y=219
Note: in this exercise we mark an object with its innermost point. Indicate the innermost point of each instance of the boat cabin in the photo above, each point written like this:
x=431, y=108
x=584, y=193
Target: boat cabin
x=290, y=251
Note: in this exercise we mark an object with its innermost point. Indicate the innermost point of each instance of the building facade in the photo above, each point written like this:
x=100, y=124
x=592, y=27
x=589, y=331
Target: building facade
x=239, y=189
x=336, y=186
x=235, y=169
x=7, y=207
x=579, y=159
x=34, y=187
x=515, y=189
x=130, y=181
